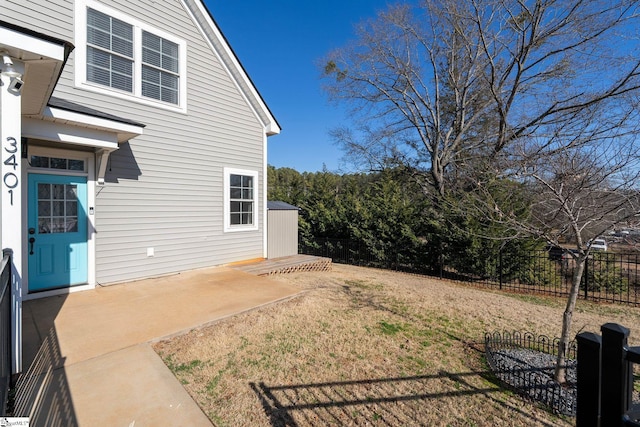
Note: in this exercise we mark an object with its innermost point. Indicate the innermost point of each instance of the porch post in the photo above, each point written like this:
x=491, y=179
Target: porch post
x=11, y=188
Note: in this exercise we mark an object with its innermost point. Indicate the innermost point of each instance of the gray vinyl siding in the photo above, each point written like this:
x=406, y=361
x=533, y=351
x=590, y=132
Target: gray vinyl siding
x=51, y=17
x=164, y=189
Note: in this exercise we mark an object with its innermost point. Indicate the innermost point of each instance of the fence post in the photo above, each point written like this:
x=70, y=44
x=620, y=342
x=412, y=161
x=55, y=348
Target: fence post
x=588, y=392
x=615, y=393
x=585, y=278
x=500, y=267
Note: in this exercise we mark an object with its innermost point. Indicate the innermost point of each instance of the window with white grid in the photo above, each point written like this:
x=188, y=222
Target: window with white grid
x=124, y=57
x=241, y=199
x=160, y=71
x=109, y=51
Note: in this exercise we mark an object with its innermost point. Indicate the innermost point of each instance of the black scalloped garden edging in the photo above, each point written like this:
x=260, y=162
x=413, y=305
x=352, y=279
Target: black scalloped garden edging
x=526, y=362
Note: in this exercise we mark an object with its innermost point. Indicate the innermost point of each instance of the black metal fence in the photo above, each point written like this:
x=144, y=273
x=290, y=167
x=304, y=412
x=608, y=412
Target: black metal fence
x=5, y=330
x=606, y=392
x=526, y=363
x=608, y=276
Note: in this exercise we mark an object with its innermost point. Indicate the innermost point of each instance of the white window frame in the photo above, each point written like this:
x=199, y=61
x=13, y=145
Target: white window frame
x=80, y=66
x=227, y=200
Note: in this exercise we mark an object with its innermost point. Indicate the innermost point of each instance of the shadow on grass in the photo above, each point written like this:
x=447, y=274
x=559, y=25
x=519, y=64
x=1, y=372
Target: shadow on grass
x=384, y=401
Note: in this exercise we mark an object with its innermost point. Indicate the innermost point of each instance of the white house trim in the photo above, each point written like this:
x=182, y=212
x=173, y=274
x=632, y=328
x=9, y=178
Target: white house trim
x=27, y=47
x=68, y=133
x=123, y=131
x=102, y=157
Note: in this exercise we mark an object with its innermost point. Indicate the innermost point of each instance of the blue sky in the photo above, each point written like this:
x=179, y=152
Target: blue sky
x=280, y=43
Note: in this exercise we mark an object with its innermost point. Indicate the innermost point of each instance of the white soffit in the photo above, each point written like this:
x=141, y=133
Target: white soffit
x=40, y=79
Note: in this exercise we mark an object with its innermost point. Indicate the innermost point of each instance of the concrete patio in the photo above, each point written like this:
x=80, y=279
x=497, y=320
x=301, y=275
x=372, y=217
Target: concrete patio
x=87, y=355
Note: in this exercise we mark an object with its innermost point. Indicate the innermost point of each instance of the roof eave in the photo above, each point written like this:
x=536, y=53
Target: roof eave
x=43, y=57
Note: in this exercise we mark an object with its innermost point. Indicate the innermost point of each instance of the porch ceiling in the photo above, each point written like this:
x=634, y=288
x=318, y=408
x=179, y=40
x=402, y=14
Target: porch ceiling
x=40, y=78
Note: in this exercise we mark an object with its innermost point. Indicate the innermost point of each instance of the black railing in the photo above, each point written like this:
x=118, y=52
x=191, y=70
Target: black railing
x=526, y=363
x=608, y=277
x=5, y=330
x=607, y=395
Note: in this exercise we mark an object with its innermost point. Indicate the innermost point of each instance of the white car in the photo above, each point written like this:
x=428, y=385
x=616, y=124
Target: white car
x=599, y=245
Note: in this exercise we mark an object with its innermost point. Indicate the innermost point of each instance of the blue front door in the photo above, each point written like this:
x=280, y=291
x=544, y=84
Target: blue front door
x=57, y=231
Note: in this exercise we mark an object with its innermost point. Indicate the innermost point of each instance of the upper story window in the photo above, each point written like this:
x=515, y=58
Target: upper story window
x=126, y=58
x=109, y=51
x=160, y=72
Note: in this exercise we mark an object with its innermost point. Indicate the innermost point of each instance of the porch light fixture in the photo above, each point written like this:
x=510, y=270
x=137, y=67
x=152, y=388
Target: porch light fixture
x=7, y=68
x=8, y=71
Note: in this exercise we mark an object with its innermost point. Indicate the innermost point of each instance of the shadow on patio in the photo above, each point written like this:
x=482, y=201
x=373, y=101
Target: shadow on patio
x=87, y=357
x=42, y=391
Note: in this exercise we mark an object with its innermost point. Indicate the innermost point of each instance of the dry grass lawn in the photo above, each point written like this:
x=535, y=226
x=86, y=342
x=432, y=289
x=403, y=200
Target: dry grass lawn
x=370, y=347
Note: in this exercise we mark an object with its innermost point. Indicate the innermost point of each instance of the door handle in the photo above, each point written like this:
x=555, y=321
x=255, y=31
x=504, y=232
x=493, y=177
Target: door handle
x=31, y=242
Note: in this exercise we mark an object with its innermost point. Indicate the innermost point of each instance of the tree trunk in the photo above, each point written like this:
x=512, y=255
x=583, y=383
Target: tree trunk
x=560, y=374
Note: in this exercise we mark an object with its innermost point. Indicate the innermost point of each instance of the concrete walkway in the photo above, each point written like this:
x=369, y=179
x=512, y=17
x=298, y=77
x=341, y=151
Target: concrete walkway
x=89, y=357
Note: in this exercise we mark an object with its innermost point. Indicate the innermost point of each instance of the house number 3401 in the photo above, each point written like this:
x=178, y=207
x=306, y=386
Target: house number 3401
x=10, y=179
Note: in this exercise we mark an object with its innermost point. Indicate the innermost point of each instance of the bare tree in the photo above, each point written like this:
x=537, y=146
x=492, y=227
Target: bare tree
x=416, y=85
x=435, y=85
x=582, y=182
x=536, y=92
